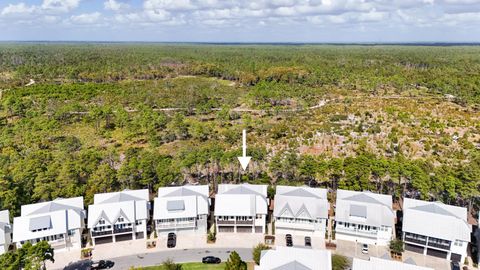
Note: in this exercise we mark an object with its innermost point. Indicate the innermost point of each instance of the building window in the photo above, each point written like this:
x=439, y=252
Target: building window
x=458, y=243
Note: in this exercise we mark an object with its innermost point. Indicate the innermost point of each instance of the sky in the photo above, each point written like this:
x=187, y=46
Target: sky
x=241, y=20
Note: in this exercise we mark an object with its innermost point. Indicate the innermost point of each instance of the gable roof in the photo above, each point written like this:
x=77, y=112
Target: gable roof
x=294, y=265
x=241, y=200
x=181, y=202
x=57, y=216
x=364, y=208
x=450, y=221
x=130, y=204
x=382, y=264
x=302, y=191
x=122, y=196
x=313, y=201
x=288, y=258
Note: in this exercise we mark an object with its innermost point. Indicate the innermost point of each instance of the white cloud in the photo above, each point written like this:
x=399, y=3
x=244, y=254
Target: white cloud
x=86, y=18
x=60, y=5
x=115, y=5
x=20, y=9
x=168, y=5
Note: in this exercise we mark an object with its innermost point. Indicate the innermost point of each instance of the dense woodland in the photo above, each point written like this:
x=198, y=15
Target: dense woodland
x=96, y=118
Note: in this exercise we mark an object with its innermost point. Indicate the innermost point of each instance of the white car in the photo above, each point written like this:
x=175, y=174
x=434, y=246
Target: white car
x=364, y=248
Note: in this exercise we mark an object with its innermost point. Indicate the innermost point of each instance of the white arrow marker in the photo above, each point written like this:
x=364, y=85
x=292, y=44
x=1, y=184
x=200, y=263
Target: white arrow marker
x=244, y=160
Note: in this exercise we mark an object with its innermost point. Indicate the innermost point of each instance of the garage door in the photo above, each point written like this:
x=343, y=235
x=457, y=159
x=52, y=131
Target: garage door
x=225, y=229
x=455, y=257
x=414, y=248
x=124, y=237
x=258, y=229
x=139, y=235
x=103, y=240
x=244, y=229
x=437, y=253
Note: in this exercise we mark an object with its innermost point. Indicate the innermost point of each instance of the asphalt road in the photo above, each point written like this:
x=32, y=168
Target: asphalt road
x=179, y=256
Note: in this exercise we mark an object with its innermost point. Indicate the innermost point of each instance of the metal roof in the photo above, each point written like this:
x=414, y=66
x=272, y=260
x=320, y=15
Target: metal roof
x=450, y=221
x=376, y=209
x=177, y=205
x=382, y=264
x=358, y=210
x=42, y=222
x=292, y=258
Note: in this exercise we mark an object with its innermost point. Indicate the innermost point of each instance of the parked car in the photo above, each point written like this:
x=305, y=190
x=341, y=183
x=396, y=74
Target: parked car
x=171, y=240
x=308, y=241
x=455, y=266
x=364, y=248
x=102, y=264
x=211, y=259
x=288, y=239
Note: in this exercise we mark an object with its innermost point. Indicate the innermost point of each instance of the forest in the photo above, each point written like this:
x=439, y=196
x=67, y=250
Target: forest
x=79, y=119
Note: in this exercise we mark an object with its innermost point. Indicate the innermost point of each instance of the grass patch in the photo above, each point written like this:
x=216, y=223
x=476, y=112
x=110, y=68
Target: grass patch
x=189, y=266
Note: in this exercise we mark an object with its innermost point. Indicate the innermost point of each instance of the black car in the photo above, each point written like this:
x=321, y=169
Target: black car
x=455, y=266
x=288, y=239
x=308, y=241
x=211, y=259
x=172, y=240
x=102, y=265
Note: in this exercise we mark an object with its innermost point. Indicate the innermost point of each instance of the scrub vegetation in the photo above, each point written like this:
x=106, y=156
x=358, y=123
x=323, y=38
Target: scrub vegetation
x=106, y=117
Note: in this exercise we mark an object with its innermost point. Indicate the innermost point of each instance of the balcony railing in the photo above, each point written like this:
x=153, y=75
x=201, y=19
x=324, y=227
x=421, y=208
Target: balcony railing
x=356, y=232
x=244, y=222
x=295, y=225
x=95, y=234
x=415, y=240
x=122, y=230
x=161, y=225
x=226, y=221
x=445, y=245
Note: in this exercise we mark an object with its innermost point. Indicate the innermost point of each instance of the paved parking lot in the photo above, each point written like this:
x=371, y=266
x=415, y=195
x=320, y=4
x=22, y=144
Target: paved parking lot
x=299, y=241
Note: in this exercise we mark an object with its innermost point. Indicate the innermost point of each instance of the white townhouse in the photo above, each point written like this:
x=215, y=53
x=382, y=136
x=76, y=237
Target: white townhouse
x=60, y=222
x=119, y=216
x=241, y=208
x=436, y=229
x=364, y=217
x=288, y=258
x=181, y=209
x=5, y=231
x=301, y=210
x=384, y=264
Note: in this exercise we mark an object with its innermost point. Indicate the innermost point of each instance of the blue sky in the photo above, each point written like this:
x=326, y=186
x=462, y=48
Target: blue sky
x=241, y=20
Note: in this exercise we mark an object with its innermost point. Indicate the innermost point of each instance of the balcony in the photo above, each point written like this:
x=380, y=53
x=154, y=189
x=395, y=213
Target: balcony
x=441, y=245
x=173, y=225
x=225, y=222
x=409, y=238
x=295, y=225
x=244, y=222
x=102, y=233
x=355, y=232
x=122, y=230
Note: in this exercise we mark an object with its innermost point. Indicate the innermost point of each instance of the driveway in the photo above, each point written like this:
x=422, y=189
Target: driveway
x=428, y=261
x=241, y=240
x=299, y=241
x=354, y=250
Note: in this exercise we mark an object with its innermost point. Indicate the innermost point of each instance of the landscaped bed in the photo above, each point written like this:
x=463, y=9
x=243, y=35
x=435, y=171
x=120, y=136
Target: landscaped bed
x=189, y=266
